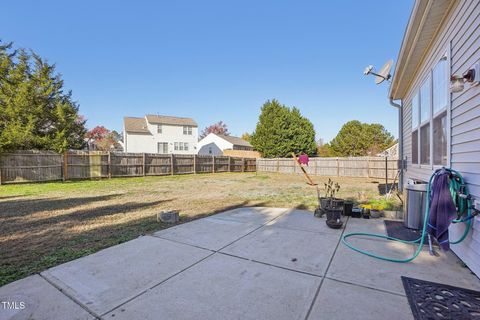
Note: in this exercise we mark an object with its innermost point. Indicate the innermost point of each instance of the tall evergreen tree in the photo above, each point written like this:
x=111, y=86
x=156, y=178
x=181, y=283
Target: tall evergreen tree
x=35, y=112
x=281, y=130
x=361, y=139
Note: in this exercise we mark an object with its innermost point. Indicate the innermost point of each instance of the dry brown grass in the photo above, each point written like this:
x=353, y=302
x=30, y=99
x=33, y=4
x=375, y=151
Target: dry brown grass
x=43, y=225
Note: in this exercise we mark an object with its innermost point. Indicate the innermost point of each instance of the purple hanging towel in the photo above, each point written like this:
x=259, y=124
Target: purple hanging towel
x=442, y=209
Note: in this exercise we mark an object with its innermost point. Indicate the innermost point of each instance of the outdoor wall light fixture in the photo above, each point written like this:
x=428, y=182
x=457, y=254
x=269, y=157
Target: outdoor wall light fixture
x=472, y=76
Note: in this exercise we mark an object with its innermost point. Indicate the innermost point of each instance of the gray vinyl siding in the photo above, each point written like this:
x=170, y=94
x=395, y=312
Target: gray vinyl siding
x=461, y=34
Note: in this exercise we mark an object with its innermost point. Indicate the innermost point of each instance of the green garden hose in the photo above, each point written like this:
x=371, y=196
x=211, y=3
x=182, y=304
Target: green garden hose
x=454, y=187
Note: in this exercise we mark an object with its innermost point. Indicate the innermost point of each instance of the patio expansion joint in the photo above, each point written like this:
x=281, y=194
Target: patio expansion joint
x=326, y=270
x=270, y=265
x=229, y=244
x=77, y=302
x=366, y=287
x=156, y=285
x=300, y=229
x=179, y=272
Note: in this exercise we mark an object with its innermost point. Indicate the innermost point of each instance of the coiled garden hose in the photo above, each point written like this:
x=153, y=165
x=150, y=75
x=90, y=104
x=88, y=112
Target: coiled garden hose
x=421, y=240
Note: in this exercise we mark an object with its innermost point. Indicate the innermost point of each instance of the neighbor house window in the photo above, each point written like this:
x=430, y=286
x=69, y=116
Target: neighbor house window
x=180, y=146
x=429, y=118
x=175, y=146
x=162, y=147
x=159, y=128
x=185, y=146
x=187, y=130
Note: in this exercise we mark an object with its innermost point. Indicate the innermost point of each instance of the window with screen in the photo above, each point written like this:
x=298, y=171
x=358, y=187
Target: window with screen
x=429, y=118
x=440, y=96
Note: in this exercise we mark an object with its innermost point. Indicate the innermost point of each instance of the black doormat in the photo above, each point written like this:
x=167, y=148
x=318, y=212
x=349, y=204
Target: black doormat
x=396, y=229
x=430, y=300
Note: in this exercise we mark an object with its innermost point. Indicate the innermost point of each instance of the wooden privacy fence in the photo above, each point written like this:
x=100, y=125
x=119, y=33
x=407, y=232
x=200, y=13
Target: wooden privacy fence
x=366, y=167
x=36, y=166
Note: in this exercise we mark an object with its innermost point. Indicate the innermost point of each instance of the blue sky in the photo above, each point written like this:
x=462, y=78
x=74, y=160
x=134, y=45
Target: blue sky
x=216, y=60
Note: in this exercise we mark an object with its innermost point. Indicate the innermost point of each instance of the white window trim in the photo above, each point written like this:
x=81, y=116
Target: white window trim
x=446, y=54
x=448, y=108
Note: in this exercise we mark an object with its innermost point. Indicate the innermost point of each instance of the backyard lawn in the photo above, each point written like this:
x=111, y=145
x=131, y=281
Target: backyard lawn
x=43, y=225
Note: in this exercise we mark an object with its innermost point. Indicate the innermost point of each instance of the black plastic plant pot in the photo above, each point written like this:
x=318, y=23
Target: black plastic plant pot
x=324, y=202
x=357, y=212
x=347, y=208
x=337, y=203
x=334, y=214
x=319, y=212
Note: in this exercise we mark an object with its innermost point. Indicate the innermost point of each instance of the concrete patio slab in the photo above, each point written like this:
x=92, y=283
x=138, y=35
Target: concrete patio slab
x=258, y=215
x=350, y=266
x=223, y=287
x=294, y=249
x=302, y=220
x=337, y=300
x=208, y=233
x=262, y=272
x=108, y=278
x=366, y=225
x=35, y=298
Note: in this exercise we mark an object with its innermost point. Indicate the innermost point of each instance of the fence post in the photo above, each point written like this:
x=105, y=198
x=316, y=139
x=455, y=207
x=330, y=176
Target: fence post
x=194, y=164
x=368, y=167
x=229, y=164
x=65, y=166
x=171, y=164
x=243, y=164
x=386, y=175
x=143, y=163
x=109, y=165
x=338, y=168
x=213, y=164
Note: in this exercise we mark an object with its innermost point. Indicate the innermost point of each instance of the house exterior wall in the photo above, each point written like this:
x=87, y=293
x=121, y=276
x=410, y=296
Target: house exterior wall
x=171, y=134
x=459, y=37
x=213, y=145
x=136, y=142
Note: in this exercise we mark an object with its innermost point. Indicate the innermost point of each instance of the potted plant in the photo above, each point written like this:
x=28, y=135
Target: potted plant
x=366, y=211
x=376, y=211
x=329, y=200
x=333, y=206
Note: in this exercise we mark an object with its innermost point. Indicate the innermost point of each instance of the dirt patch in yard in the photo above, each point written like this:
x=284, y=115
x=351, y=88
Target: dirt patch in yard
x=43, y=225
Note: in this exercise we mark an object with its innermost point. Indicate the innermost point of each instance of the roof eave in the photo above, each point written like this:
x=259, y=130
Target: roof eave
x=417, y=12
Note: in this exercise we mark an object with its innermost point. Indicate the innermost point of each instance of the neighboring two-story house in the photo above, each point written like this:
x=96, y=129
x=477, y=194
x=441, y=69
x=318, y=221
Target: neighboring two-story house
x=160, y=134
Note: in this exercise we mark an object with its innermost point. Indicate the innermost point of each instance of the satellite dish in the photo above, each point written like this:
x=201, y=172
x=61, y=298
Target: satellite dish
x=383, y=74
x=368, y=70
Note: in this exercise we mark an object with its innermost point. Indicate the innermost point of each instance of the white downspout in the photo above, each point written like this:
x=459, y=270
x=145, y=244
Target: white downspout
x=400, y=141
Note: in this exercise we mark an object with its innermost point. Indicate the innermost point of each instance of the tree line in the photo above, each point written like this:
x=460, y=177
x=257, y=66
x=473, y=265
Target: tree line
x=36, y=112
x=282, y=130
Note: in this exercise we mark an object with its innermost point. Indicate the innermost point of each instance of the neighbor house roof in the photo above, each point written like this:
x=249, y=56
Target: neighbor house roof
x=425, y=21
x=236, y=141
x=177, y=121
x=135, y=125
